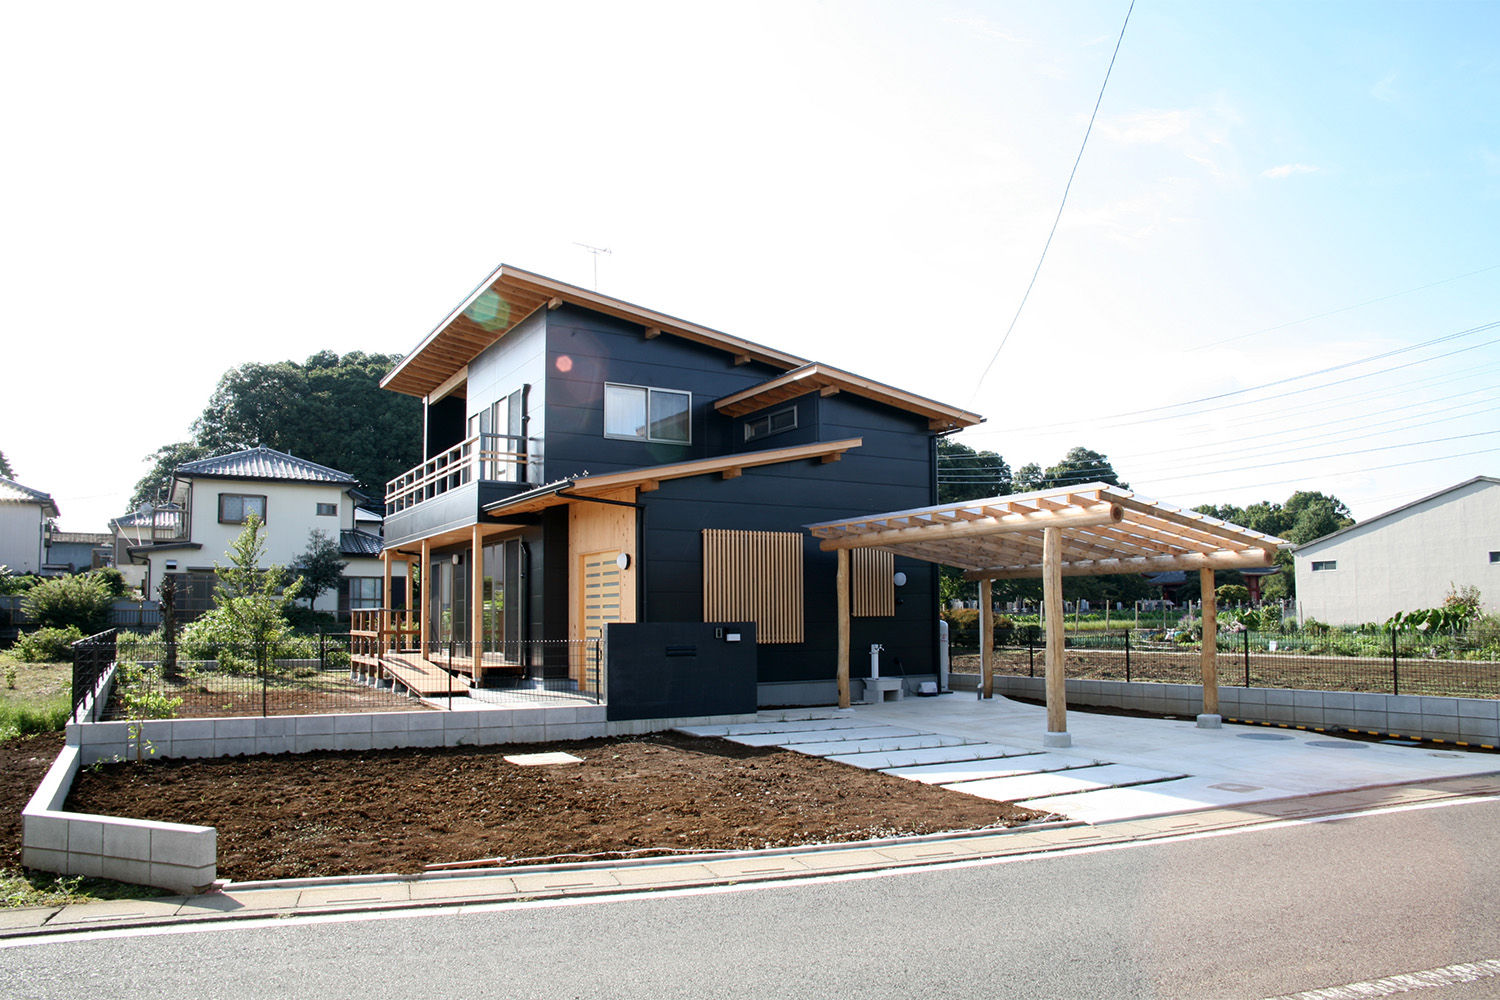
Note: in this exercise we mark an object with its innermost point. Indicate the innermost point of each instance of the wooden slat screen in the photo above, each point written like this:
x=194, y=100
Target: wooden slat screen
x=755, y=576
x=873, y=587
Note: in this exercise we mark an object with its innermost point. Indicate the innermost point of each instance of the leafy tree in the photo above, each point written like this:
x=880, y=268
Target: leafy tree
x=5, y=469
x=1028, y=477
x=328, y=409
x=1313, y=515
x=966, y=474
x=80, y=601
x=1080, y=465
x=1306, y=515
x=319, y=566
x=156, y=485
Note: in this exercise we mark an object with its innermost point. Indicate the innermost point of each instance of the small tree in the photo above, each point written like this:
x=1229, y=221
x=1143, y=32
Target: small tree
x=168, y=592
x=249, y=602
x=81, y=601
x=319, y=566
x=1232, y=593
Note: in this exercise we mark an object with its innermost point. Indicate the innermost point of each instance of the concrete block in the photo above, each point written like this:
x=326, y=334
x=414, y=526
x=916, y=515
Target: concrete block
x=194, y=729
x=48, y=833
x=85, y=836
x=1409, y=704
x=1280, y=696
x=126, y=870
x=529, y=734
x=1480, y=730
x=129, y=839
x=308, y=742
x=1307, y=699
x=1370, y=720
x=236, y=729
x=1440, y=706
x=180, y=878
x=1371, y=702
x=44, y=860
x=390, y=722
x=352, y=741
x=571, y=731
x=1251, y=696
x=188, y=749
x=422, y=738
x=1307, y=715
x=1342, y=701
x=1475, y=708
x=158, y=731
x=1083, y=687
x=1404, y=722
x=463, y=719
x=276, y=744
x=388, y=740
x=1277, y=713
x=564, y=716
x=276, y=725
x=94, y=733
x=236, y=747
x=193, y=846
x=85, y=864
x=1441, y=732
x=359, y=723
x=593, y=713
x=417, y=721
x=456, y=737
x=313, y=725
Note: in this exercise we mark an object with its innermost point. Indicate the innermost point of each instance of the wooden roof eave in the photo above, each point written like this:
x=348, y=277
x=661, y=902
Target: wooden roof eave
x=820, y=377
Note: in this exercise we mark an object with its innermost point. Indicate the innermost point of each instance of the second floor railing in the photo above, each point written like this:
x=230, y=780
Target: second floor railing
x=498, y=458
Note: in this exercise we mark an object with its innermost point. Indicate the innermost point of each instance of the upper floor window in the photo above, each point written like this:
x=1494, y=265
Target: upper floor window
x=1329, y=564
x=1495, y=557
x=234, y=508
x=771, y=423
x=641, y=413
x=328, y=510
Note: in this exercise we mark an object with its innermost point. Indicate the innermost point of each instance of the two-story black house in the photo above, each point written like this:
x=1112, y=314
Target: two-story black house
x=592, y=461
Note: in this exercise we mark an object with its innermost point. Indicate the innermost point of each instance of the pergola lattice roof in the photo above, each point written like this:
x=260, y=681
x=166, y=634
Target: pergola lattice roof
x=1104, y=529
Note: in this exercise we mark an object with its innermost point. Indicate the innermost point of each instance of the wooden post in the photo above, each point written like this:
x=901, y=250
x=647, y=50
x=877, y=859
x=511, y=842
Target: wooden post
x=422, y=608
x=476, y=602
x=1210, y=647
x=842, y=585
x=1052, y=601
x=986, y=639
x=385, y=601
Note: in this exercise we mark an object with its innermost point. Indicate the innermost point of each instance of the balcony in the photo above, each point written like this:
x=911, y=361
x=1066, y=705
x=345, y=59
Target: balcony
x=448, y=489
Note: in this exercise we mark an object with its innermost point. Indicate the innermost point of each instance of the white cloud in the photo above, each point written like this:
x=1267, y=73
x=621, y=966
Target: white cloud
x=1288, y=169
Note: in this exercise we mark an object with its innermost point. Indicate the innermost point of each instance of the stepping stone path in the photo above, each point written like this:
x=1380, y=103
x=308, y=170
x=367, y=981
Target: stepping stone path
x=989, y=770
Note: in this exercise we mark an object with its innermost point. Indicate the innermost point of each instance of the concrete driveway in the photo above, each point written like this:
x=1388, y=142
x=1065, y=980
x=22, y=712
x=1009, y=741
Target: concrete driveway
x=1118, y=768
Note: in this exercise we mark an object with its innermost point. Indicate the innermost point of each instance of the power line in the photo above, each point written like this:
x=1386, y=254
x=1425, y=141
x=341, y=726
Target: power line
x=1335, y=312
x=1058, y=218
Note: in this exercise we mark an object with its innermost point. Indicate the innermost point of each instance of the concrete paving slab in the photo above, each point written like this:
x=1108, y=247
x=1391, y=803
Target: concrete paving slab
x=935, y=755
x=1034, y=763
x=1051, y=783
x=882, y=744
x=26, y=918
x=359, y=893
x=463, y=888
x=793, y=726
x=112, y=910
x=1164, y=799
x=788, y=739
x=975, y=770
x=665, y=875
x=747, y=867
x=230, y=900
x=954, y=849
x=574, y=881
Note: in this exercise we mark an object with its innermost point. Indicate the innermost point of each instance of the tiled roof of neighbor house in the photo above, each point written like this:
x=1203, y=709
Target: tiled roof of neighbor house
x=80, y=537
x=358, y=543
x=263, y=463
x=164, y=516
x=13, y=492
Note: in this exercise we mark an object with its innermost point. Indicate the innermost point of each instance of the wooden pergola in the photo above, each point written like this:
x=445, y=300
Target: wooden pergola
x=1088, y=530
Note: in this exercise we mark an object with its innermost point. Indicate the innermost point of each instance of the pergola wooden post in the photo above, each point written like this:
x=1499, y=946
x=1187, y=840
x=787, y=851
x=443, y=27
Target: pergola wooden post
x=1210, y=718
x=842, y=585
x=1052, y=605
x=476, y=603
x=423, y=625
x=986, y=639
x=385, y=600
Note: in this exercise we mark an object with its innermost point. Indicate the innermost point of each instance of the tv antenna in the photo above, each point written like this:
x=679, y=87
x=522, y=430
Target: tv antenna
x=596, y=251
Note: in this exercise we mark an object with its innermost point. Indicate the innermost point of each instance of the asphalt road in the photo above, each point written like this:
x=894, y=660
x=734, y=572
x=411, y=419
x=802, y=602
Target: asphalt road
x=1249, y=915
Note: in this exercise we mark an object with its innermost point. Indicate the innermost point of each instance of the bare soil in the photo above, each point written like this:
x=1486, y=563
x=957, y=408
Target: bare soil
x=23, y=763
x=352, y=812
x=218, y=697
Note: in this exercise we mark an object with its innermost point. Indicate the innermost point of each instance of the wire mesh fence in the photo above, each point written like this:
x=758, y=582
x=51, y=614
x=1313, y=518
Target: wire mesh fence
x=1454, y=665
x=528, y=671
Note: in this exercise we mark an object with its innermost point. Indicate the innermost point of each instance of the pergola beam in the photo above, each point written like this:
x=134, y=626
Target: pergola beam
x=1091, y=516
x=1244, y=559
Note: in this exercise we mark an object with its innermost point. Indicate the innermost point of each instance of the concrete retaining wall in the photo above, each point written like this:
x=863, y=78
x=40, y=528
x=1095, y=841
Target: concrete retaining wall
x=1455, y=720
x=170, y=855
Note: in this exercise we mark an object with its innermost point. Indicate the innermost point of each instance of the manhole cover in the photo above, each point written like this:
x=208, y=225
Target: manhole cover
x=542, y=759
x=1264, y=736
x=1337, y=744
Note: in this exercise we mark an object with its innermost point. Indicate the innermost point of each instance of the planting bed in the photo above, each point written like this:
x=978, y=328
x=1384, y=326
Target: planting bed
x=342, y=813
x=23, y=764
x=221, y=695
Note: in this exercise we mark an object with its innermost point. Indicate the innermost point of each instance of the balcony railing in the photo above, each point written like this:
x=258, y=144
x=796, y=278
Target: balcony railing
x=495, y=458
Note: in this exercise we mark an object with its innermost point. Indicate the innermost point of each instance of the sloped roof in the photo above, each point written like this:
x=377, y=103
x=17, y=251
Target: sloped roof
x=163, y=516
x=826, y=378
x=1103, y=529
x=13, y=492
x=1360, y=526
x=353, y=542
x=263, y=463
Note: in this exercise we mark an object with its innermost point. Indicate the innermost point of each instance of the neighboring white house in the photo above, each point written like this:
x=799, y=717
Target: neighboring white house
x=23, y=524
x=1406, y=559
x=210, y=501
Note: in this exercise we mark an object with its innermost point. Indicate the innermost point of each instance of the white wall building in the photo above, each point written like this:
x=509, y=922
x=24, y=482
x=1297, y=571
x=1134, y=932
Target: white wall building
x=211, y=499
x=1406, y=559
x=23, y=521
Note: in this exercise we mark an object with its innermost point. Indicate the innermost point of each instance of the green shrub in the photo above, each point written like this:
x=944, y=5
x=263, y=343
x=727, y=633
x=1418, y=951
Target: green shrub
x=1232, y=593
x=113, y=580
x=16, y=583
x=19, y=719
x=80, y=601
x=48, y=645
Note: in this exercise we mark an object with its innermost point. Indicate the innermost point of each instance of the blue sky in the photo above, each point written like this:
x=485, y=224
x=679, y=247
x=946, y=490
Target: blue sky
x=866, y=184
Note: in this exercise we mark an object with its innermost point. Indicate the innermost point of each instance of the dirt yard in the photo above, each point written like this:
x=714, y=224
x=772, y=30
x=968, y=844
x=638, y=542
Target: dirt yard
x=23, y=763
x=342, y=813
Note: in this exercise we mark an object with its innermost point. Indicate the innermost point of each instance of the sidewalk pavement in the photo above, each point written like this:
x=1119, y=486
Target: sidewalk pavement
x=1269, y=781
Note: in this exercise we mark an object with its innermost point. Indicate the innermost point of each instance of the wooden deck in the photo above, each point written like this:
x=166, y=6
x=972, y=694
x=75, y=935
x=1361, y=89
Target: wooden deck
x=428, y=677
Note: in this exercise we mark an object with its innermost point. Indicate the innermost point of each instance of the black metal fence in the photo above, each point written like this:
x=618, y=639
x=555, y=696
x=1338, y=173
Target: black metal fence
x=1454, y=665
x=91, y=659
x=538, y=671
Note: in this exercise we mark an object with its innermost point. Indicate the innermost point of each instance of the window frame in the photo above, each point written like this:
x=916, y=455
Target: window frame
x=332, y=509
x=1324, y=565
x=646, y=435
x=264, y=507
x=769, y=419
x=357, y=603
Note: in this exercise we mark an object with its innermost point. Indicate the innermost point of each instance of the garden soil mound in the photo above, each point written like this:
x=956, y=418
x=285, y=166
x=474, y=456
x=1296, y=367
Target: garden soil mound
x=362, y=812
